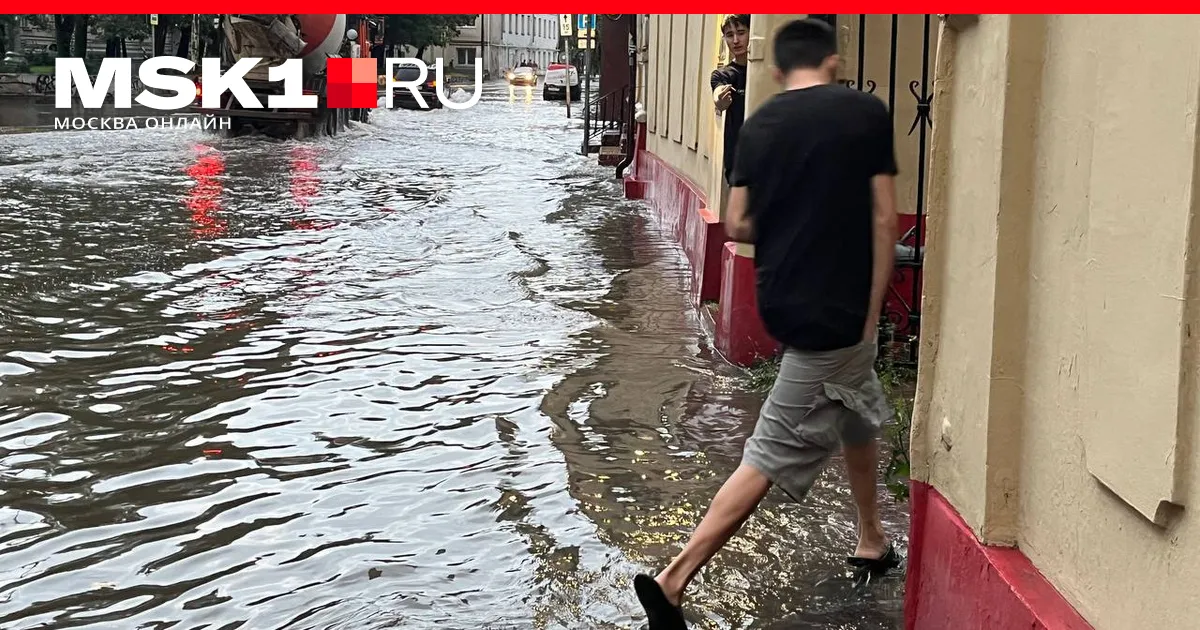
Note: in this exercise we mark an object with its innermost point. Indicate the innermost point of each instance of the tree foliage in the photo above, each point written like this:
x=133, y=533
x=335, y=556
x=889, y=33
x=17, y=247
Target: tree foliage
x=422, y=31
x=10, y=24
x=135, y=27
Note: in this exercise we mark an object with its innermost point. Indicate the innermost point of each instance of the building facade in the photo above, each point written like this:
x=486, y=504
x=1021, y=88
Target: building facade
x=1053, y=447
x=503, y=41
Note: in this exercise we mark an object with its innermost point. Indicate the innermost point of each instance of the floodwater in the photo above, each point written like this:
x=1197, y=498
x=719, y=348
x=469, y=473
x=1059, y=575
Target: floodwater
x=431, y=373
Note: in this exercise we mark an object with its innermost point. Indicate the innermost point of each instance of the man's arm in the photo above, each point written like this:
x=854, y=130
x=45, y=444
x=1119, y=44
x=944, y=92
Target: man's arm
x=885, y=223
x=722, y=87
x=738, y=225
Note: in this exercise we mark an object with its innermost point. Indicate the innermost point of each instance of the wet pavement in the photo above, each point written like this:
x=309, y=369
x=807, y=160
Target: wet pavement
x=431, y=373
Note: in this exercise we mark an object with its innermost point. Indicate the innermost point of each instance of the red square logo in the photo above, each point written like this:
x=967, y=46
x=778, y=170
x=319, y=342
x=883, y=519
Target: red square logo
x=351, y=82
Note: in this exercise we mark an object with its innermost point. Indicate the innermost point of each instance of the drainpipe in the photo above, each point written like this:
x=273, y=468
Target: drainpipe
x=630, y=128
x=587, y=87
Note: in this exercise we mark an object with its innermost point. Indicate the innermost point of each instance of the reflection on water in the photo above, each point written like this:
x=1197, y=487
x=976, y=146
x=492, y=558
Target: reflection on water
x=526, y=91
x=427, y=374
x=204, y=200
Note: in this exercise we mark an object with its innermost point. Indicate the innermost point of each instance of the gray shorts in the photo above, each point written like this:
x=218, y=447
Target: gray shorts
x=820, y=400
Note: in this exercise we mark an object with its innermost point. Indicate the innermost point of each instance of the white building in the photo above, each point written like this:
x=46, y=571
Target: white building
x=508, y=40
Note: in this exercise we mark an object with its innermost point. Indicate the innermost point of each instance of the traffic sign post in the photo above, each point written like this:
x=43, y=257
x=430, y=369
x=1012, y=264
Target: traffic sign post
x=585, y=34
x=567, y=70
x=153, y=28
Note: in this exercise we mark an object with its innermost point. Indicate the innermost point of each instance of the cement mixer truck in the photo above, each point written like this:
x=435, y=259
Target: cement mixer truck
x=275, y=39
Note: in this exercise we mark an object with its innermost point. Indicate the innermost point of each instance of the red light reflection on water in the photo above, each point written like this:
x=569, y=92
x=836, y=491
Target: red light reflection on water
x=305, y=185
x=204, y=199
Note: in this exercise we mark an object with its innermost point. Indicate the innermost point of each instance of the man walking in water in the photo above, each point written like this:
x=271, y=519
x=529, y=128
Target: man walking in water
x=729, y=84
x=813, y=189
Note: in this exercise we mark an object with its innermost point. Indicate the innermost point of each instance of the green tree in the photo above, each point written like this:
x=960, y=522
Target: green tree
x=10, y=28
x=64, y=27
x=81, y=34
x=71, y=34
x=117, y=29
x=423, y=31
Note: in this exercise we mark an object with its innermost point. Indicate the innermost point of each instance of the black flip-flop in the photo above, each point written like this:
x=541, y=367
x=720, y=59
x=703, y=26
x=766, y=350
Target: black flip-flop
x=660, y=612
x=867, y=568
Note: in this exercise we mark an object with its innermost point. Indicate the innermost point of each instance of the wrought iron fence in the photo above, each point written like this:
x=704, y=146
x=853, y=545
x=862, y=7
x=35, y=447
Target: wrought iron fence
x=901, y=321
x=610, y=112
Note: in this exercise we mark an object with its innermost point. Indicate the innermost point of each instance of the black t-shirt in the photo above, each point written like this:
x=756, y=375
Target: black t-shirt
x=735, y=75
x=807, y=158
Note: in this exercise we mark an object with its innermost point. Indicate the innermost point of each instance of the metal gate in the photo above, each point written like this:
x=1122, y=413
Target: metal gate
x=900, y=325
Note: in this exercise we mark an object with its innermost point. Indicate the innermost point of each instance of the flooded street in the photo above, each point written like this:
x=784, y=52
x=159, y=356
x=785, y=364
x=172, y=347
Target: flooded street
x=432, y=373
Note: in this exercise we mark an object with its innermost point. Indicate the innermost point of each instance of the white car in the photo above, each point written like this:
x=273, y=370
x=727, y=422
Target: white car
x=556, y=81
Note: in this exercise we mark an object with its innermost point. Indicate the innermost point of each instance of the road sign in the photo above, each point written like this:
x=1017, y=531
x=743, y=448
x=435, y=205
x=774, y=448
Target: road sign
x=584, y=21
x=153, y=19
x=564, y=24
x=583, y=43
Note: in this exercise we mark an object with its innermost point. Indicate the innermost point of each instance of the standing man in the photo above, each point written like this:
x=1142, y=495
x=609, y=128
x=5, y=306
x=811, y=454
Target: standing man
x=379, y=52
x=813, y=188
x=729, y=84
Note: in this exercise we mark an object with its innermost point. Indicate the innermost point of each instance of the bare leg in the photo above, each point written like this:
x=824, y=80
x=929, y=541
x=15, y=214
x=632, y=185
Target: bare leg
x=734, y=503
x=862, y=461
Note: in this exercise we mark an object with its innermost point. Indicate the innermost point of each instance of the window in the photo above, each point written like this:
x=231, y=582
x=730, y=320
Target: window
x=466, y=56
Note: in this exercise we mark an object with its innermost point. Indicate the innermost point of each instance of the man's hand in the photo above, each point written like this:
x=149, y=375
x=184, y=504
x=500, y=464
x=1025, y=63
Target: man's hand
x=723, y=96
x=738, y=225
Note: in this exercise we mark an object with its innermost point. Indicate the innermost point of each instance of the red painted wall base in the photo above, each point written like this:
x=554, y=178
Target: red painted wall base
x=741, y=337
x=634, y=188
x=680, y=210
x=957, y=583
x=705, y=241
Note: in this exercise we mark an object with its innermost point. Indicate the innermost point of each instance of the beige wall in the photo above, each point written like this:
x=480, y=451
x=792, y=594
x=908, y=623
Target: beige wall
x=1057, y=396
x=681, y=126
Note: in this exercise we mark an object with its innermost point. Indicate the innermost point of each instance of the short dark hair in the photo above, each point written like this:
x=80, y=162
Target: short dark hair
x=804, y=44
x=742, y=19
